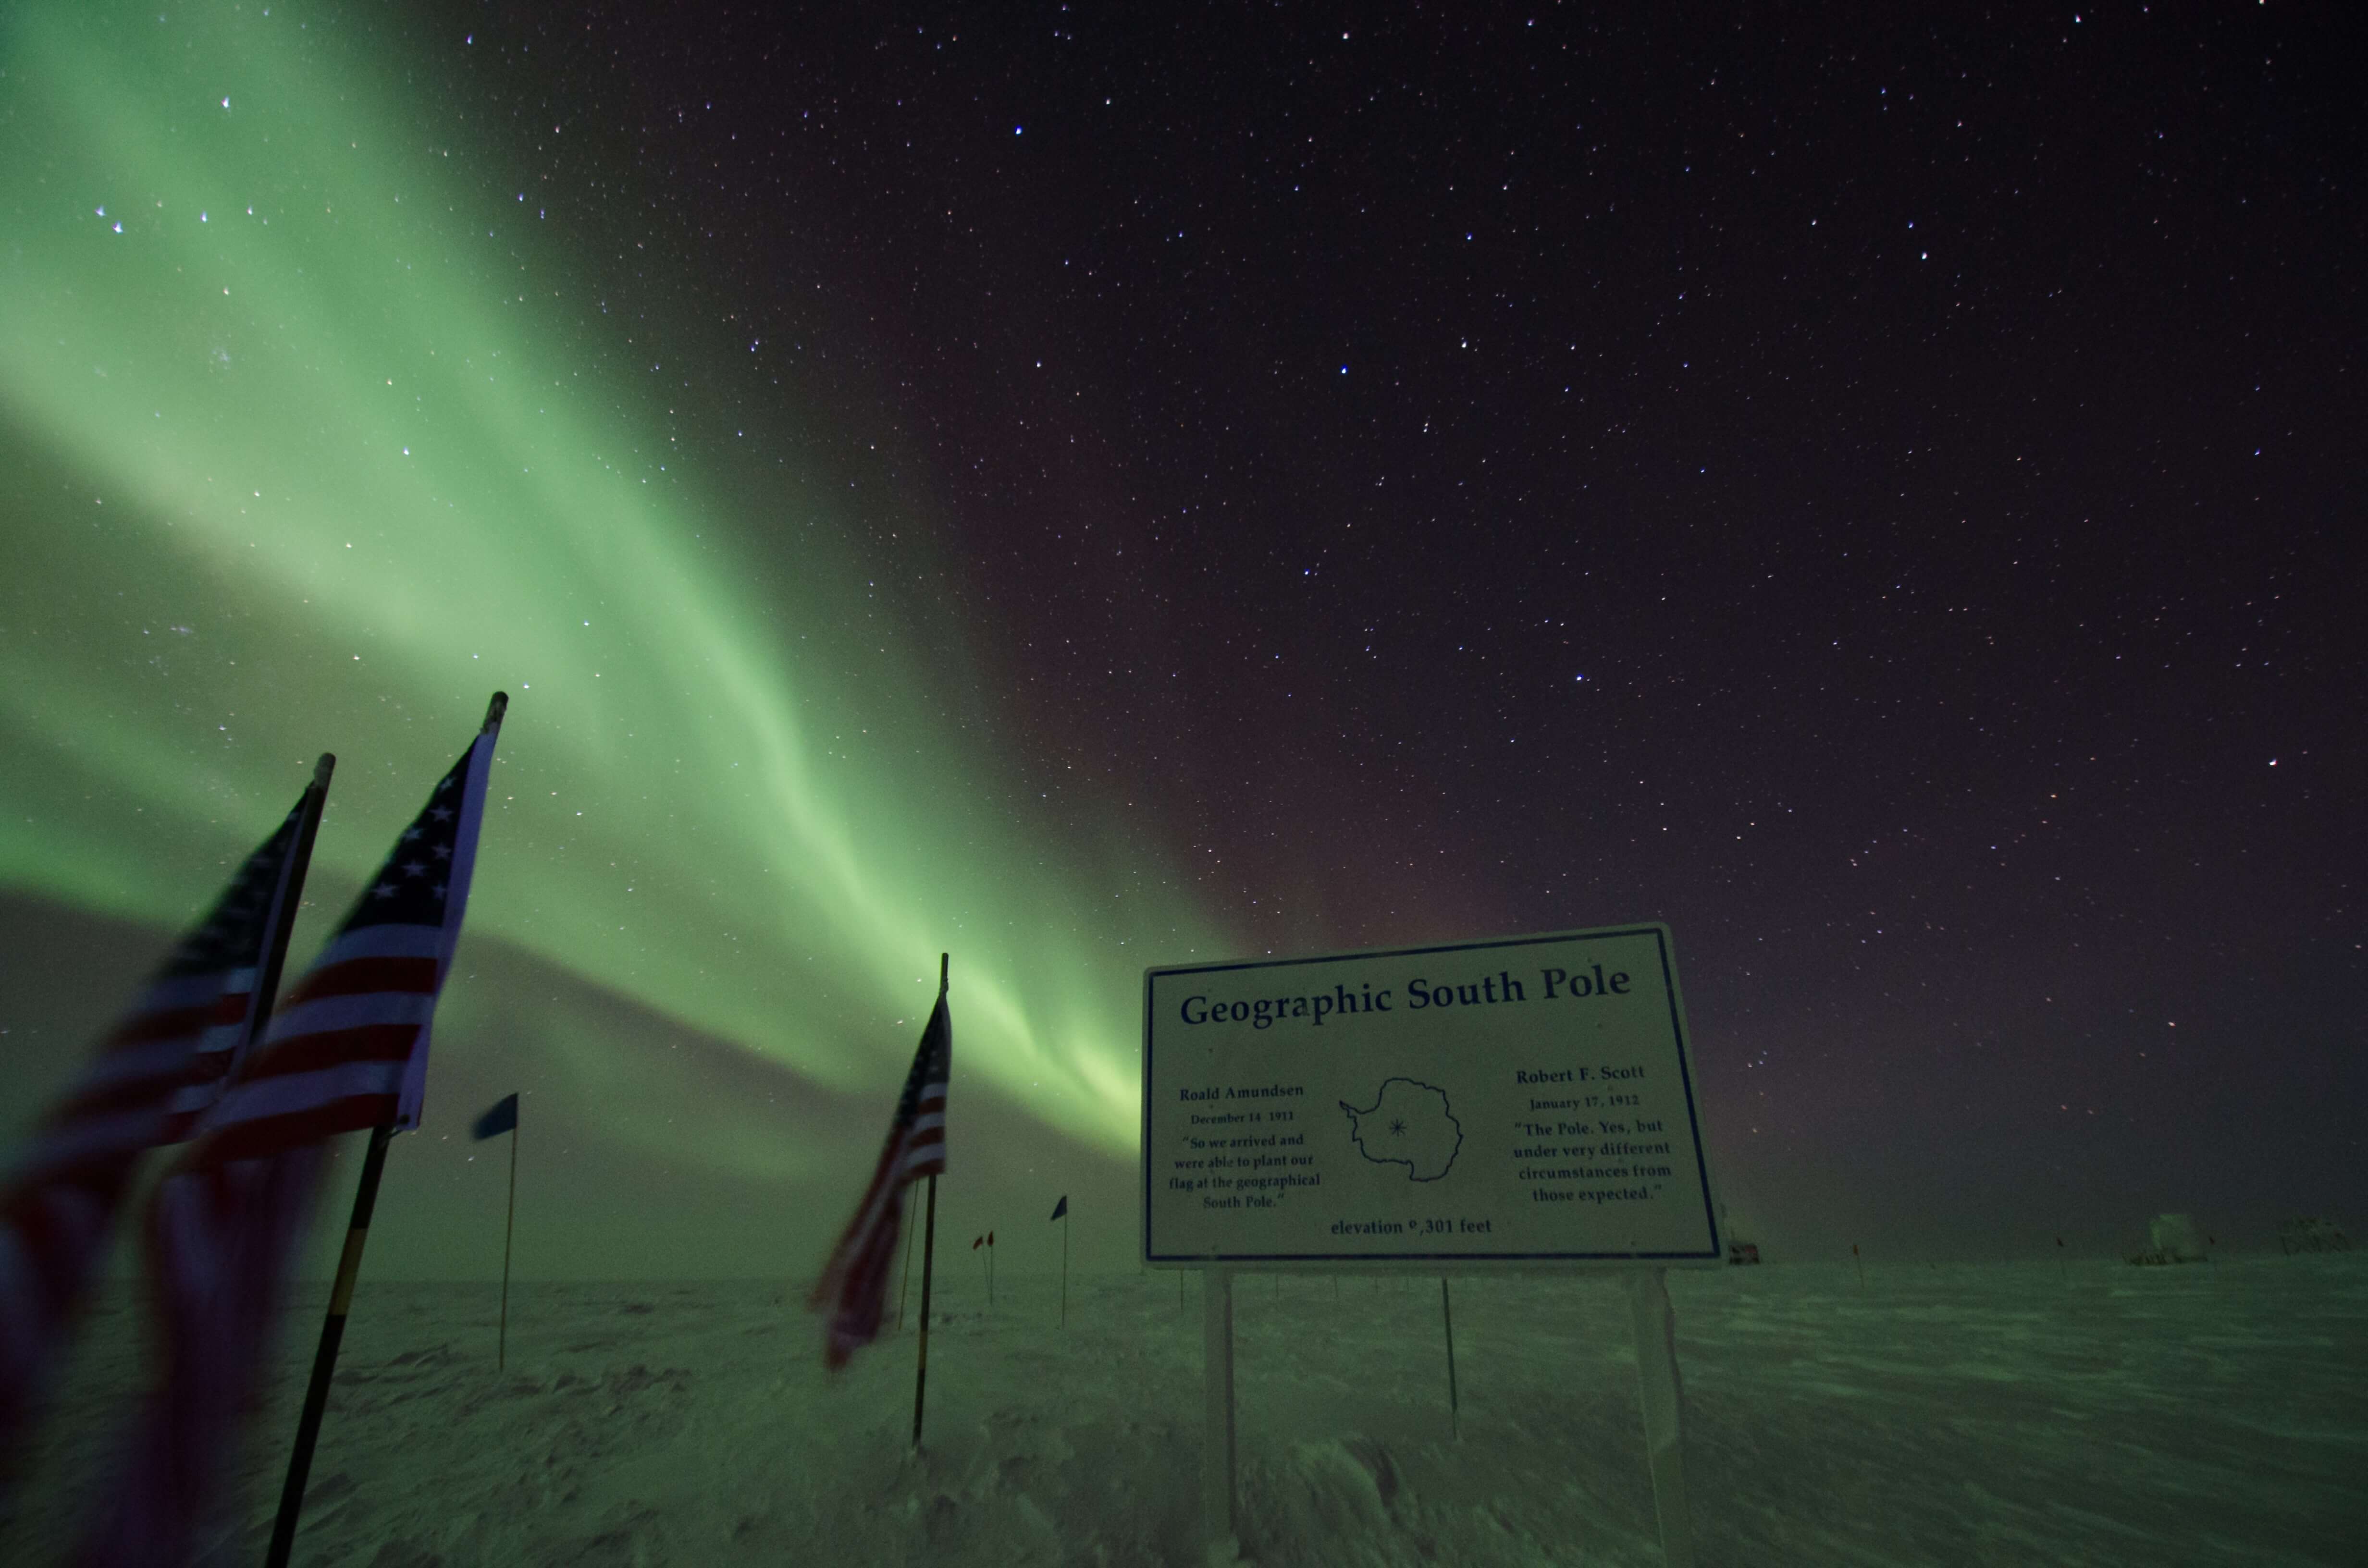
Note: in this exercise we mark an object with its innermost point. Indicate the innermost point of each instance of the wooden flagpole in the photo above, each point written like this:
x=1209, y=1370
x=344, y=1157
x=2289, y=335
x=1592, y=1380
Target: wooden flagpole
x=324, y=1358
x=509, y=1226
x=928, y=1258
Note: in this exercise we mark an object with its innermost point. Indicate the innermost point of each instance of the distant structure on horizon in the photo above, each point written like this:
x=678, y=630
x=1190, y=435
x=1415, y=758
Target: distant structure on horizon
x=2312, y=1235
x=1742, y=1253
x=2174, y=1240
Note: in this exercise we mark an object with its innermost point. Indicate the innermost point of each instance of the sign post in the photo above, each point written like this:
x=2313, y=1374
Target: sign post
x=1657, y=1391
x=1520, y=1105
x=1217, y=1492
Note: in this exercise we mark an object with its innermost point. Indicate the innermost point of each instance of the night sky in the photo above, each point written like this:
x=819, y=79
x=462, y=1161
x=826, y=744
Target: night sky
x=1082, y=491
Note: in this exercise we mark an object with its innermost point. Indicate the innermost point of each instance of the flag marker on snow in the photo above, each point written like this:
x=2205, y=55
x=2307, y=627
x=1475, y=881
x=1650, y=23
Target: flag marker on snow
x=1061, y=1212
x=503, y=1118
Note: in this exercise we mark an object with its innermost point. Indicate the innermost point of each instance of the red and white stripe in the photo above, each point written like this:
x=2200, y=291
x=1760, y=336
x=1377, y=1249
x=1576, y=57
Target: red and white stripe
x=222, y=1236
x=151, y=1077
x=854, y=1283
x=338, y=1048
x=346, y=1049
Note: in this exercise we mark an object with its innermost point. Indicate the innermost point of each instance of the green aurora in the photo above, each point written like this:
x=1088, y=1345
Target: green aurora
x=313, y=454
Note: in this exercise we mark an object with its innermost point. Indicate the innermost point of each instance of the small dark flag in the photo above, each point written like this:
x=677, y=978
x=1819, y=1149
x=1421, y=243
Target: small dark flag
x=501, y=1118
x=1061, y=1208
x=990, y=1238
x=976, y=1243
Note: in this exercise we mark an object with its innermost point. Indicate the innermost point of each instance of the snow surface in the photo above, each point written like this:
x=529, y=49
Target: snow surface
x=1957, y=1415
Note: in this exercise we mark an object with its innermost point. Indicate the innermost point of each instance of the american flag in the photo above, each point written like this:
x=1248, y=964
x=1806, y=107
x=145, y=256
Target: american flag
x=348, y=1047
x=160, y=1066
x=854, y=1284
x=346, y=1050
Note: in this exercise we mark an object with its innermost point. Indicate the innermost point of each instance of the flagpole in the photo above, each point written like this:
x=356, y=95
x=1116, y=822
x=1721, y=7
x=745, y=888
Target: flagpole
x=1446, y=1311
x=928, y=1259
x=275, y=959
x=928, y=1253
x=325, y=1360
x=905, y=1281
x=509, y=1225
x=1065, y=1270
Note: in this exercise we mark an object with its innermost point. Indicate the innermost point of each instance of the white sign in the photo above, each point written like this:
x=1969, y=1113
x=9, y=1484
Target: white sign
x=1523, y=1101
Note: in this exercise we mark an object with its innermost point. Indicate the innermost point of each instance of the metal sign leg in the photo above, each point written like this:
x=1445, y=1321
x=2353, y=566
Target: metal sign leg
x=1217, y=1520
x=1658, y=1390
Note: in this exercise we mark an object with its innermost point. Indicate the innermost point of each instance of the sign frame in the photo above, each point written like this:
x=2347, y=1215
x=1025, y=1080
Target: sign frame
x=1519, y=1262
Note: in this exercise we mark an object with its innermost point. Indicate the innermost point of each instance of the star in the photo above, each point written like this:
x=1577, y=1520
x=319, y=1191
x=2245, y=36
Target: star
x=413, y=869
x=384, y=889
x=442, y=814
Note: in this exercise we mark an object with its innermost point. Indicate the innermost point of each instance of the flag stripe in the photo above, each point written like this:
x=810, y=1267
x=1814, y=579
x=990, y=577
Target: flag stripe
x=255, y=1138
x=162, y=1062
x=853, y=1286
x=143, y=1074
x=151, y=1029
x=394, y=940
x=361, y=976
x=263, y=1098
x=372, y=1043
x=331, y=1014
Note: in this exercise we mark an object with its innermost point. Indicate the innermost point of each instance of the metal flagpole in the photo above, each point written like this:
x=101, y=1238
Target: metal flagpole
x=928, y=1257
x=325, y=1360
x=267, y=990
x=904, y=1280
x=928, y=1254
x=509, y=1225
x=1447, y=1310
